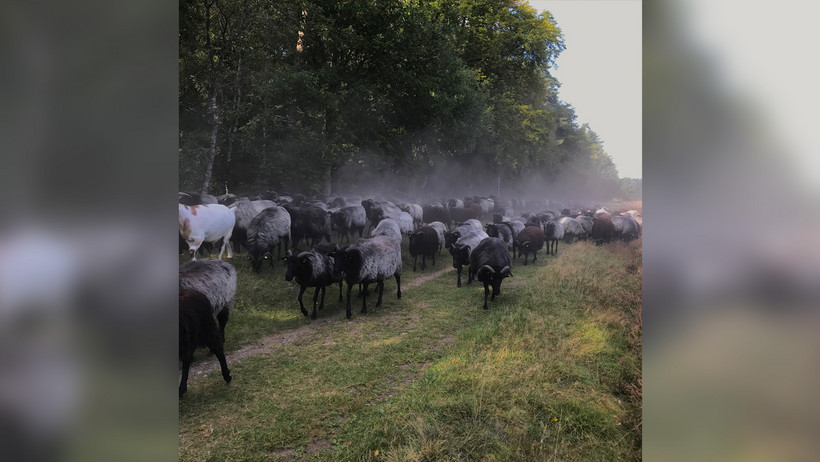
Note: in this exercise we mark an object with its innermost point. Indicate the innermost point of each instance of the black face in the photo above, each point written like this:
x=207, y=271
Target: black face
x=461, y=256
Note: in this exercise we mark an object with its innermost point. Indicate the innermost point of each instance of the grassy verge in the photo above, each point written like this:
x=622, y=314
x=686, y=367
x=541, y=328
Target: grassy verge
x=550, y=371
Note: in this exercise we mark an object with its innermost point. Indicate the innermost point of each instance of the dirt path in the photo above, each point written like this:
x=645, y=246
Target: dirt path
x=273, y=342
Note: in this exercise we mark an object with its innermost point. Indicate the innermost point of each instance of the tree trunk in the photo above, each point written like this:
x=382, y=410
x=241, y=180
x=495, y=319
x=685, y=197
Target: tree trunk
x=209, y=166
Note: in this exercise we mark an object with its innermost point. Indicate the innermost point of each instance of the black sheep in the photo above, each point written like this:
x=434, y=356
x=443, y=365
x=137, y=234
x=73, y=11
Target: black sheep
x=198, y=328
x=602, y=229
x=436, y=212
x=314, y=268
x=310, y=223
x=424, y=242
x=490, y=263
x=530, y=240
x=367, y=261
x=214, y=278
x=460, y=250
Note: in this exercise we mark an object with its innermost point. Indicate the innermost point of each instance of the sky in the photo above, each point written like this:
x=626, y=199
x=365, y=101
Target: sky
x=600, y=72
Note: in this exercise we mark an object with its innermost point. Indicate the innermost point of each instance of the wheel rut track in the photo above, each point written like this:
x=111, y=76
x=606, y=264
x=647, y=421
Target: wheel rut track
x=280, y=339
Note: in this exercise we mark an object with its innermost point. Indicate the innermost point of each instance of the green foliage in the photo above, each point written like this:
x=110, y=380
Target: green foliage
x=304, y=88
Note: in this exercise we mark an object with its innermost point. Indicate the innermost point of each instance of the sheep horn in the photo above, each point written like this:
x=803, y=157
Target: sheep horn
x=490, y=268
x=506, y=271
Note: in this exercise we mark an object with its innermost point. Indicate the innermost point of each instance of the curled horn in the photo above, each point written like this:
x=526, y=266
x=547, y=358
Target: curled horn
x=485, y=269
x=506, y=271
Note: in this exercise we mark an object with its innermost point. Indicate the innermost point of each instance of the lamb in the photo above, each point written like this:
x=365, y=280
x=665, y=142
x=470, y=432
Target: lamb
x=215, y=279
x=461, y=248
x=490, y=263
x=388, y=227
x=504, y=232
x=314, y=268
x=424, y=242
x=530, y=240
x=347, y=220
x=206, y=223
x=553, y=232
x=367, y=261
x=268, y=229
x=197, y=328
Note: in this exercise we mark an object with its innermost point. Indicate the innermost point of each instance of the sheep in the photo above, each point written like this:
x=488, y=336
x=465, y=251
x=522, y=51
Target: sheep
x=268, y=229
x=245, y=211
x=460, y=250
x=425, y=242
x=440, y=228
x=435, y=212
x=367, y=261
x=625, y=227
x=502, y=231
x=403, y=219
x=377, y=211
x=206, y=223
x=388, y=227
x=214, y=278
x=530, y=240
x=348, y=220
x=455, y=203
x=474, y=223
x=553, y=232
x=314, y=268
x=586, y=223
x=415, y=211
x=467, y=212
x=602, y=229
x=572, y=229
x=310, y=223
x=451, y=237
x=197, y=328
x=490, y=263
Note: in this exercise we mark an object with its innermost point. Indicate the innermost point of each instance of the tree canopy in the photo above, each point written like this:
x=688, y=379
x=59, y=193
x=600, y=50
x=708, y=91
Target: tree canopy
x=307, y=94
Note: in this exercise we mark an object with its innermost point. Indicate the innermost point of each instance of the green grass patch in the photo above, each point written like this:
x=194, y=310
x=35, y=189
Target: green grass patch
x=550, y=372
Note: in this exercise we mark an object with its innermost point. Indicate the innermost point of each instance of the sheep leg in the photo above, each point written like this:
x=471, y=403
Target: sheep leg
x=434, y=259
x=470, y=275
x=322, y=300
x=302, y=305
x=315, y=298
x=183, y=384
x=340, y=291
x=380, y=287
x=222, y=318
x=423, y=261
x=398, y=284
x=525, y=258
x=347, y=307
x=415, y=258
x=458, y=280
x=534, y=256
x=486, y=293
x=364, y=298
x=217, y=348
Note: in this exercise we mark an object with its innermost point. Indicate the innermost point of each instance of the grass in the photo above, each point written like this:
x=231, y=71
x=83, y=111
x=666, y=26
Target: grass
x=550, y=372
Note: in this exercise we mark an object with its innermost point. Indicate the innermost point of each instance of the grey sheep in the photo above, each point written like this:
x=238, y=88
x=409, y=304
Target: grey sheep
x=461, y=248
x=367, y=261
x=268, y=229
x=388, y=227
x=348, y=220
